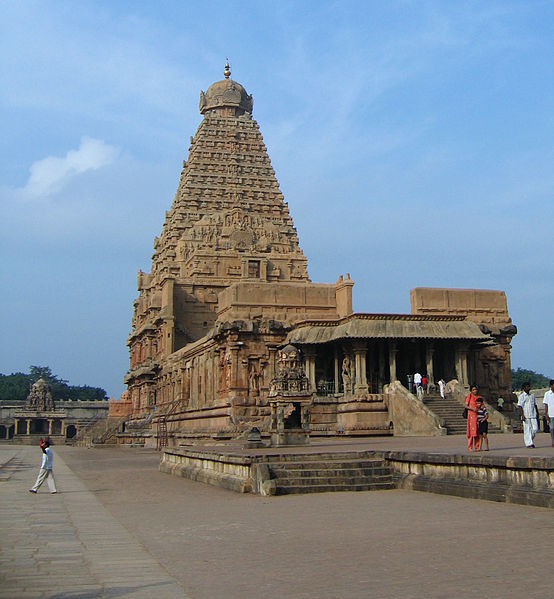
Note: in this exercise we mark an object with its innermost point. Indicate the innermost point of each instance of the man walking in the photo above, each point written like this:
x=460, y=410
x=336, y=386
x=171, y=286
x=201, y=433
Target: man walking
x=548, y=402
x=527, y=405
x=45, y=472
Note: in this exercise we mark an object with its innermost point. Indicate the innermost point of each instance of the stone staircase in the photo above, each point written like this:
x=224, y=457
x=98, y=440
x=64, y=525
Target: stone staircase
x=312, y=474
x=450, y=411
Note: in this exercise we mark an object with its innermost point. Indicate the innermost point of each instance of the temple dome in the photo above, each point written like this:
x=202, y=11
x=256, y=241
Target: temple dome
x=226, y=94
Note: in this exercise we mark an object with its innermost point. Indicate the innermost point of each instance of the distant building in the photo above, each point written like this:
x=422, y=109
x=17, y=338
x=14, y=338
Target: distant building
x=40, y=416
x=229, y=285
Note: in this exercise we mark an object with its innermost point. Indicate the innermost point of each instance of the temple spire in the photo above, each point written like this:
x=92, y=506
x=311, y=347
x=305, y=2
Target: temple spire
x=227, y=71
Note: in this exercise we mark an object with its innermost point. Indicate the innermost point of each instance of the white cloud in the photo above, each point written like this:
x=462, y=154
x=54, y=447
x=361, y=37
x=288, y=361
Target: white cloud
x=51, y=174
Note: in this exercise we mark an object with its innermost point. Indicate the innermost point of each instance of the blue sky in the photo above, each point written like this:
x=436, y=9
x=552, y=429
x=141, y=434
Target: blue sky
x=413, y=141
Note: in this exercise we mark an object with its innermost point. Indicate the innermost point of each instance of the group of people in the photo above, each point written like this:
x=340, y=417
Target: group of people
x=477, y=416
x=527, y=405
x=477, y=421
x=419, y=383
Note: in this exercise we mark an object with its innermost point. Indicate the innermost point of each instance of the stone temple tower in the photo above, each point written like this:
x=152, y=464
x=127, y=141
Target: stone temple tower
x=228, y=222
x=229, y=286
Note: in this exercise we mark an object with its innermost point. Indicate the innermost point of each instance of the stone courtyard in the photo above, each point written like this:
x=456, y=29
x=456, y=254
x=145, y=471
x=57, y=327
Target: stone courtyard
x=120, y=528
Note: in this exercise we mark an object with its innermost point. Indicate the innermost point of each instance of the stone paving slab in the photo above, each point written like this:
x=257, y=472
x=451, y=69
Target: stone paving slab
x=359, y=545
x=216, y=544
x=68, y=545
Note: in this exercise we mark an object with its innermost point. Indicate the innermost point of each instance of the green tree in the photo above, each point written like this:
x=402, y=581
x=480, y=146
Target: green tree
x=536, y=379
x=16, y=386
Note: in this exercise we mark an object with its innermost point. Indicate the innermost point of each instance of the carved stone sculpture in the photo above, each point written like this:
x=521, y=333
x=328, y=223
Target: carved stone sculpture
x=40, y=397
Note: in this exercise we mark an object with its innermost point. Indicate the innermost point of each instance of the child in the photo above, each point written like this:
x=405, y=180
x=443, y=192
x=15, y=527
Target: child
x=482, y=424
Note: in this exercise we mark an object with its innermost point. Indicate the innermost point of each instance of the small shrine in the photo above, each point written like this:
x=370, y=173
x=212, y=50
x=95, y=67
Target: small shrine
x=39, y=416
x=290, y=396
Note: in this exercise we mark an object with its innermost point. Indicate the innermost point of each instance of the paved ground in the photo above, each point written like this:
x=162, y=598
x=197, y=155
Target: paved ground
x=500, y=445
x=120, y=529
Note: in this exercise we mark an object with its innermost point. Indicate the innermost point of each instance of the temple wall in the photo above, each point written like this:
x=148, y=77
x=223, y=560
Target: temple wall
x=479, y=305
x=119, y=408
x=283, y=301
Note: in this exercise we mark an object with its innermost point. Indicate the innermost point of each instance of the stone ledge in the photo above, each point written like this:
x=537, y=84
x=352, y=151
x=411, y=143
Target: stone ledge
x=228, y=481
x=478, y=490
x=522, y=480
x=473, y=459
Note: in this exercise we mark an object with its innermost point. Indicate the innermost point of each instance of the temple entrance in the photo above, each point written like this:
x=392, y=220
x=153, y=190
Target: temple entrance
x=6, y=431
x=325, y=370
x=444, y=364
x=39, y=426
x=294, y=419
x=70, y=431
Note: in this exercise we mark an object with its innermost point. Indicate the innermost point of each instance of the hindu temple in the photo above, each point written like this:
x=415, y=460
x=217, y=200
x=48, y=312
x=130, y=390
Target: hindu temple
x=229, y=288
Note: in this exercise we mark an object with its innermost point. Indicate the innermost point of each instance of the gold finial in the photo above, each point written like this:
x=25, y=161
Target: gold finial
x=227, y=71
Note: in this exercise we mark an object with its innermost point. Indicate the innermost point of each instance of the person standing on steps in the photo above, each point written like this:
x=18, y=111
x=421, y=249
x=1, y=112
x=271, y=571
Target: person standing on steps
x=527, y=405
x=425, y=383
x=548, y=402
x=472, y=432
x=45, y=473
x=442, y=387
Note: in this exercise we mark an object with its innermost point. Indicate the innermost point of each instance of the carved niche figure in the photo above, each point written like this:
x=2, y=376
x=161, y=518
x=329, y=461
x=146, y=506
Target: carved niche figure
x=346, y=374
x=228, y=369
x=254, y=380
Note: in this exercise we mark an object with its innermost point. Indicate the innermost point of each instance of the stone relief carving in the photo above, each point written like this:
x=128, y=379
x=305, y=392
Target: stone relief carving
x=40, y=397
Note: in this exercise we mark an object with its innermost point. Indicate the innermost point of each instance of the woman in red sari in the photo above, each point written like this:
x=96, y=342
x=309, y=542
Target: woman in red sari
x=471, y=405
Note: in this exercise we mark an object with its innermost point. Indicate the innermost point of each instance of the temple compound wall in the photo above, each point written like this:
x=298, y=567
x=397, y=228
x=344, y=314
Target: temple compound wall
x=229, y=287
x=24, y=422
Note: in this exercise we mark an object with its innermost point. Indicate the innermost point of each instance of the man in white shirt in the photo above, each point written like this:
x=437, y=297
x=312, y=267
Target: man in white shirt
x=418, y=387
x=527, y=405
x=548, y=403
x=45, y=472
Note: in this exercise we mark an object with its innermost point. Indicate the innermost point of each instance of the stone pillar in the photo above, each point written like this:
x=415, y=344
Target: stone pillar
x=393, y=351
x=309, y=366
x=464, y=368
x=271, y=363
x=28, y=420
x=210, y=371
x=194, y=382
x=381, y=366
x=461, y=367
x=360, y=385
x=337, y=369
x=49, y=426
x=429, y=364
x=234, y=366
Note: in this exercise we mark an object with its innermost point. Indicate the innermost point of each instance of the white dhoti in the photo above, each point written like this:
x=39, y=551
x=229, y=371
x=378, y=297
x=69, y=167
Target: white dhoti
x=45, y=474
x=530, y=429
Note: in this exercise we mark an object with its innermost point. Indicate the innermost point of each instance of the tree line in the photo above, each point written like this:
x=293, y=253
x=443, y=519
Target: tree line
x=521, y=375
x=16, y=386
